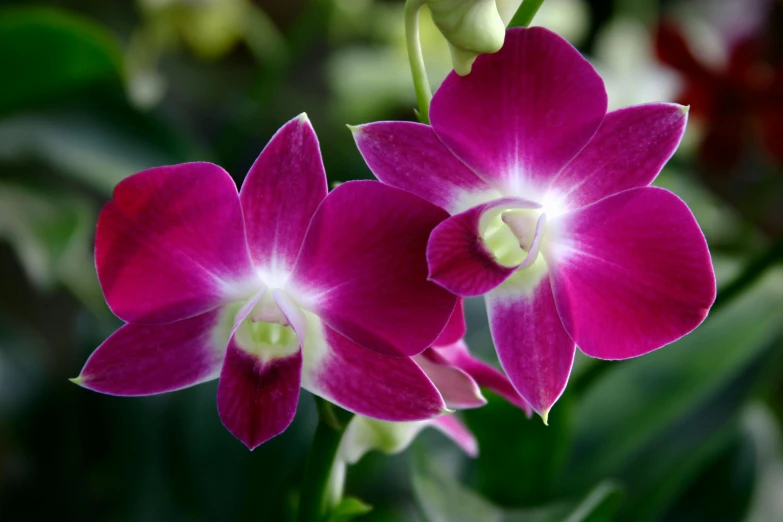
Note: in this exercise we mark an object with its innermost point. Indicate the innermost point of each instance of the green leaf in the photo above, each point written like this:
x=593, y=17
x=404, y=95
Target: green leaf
x=48, y=53
x=728, y=476
x=599, y=505
x=348, y=509
x=443, y=499
x=88, y=149
x=519, y=457
x=51, y=234
x=760, y=425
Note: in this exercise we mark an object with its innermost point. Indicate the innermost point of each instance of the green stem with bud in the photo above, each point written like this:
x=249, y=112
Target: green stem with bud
x=420, y=81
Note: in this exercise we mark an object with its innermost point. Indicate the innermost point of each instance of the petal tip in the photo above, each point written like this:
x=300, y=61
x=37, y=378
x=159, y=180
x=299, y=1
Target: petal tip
x=471, y=449
x=251, y=442
x=79, y=381
x=302, y=118
x=250, y=445
x=545, y=417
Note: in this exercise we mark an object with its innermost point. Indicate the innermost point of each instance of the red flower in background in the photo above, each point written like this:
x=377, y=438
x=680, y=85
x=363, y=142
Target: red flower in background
x=738, y=104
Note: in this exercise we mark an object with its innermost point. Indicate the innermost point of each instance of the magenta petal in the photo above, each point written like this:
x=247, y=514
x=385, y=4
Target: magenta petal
x=171, y=244
x=363, y=269
x=457, y=258
x=630, y=149
x=455, y=328
x=454, y=429
x=532, y=345
x=144, y=360
x=485, y=375
x=410, y=156
x=523, y=113
x=370, y=384
x=632, y=273
x=458, y=389
x=280, y=194
x=257, y=399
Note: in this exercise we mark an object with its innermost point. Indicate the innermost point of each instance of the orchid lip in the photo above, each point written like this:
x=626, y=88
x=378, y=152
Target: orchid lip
x=532, y=246
x=266, y=341
x=265, y=332
x=514, y=236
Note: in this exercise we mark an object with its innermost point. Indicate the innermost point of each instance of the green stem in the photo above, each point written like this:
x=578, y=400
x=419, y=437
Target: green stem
x=420, y=82
x=525, y=13
x=318, y=490
x=750, y=274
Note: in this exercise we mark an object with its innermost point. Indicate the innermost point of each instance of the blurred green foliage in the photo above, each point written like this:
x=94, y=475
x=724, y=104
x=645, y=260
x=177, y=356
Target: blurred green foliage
x=50, y=53
x=95, y=91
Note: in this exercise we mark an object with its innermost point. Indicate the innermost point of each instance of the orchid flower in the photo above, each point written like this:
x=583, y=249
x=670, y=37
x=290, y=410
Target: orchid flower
x=276, y=287
x=552, y=216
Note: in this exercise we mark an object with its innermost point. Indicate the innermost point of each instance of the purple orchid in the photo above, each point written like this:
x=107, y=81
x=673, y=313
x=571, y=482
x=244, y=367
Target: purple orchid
x=276, y=287
x=553, y=218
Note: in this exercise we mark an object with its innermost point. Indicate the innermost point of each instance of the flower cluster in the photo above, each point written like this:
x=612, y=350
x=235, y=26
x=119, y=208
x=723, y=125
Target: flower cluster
x=523, y=189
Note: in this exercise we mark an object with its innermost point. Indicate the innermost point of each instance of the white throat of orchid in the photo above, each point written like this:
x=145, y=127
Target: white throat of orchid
x=514, y=236
x=265, y=333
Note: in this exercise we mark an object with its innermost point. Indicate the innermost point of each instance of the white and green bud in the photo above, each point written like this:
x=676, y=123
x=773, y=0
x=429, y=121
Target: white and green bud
x=471, y=27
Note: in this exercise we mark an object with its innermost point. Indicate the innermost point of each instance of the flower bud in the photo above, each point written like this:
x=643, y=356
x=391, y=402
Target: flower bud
x=471, y=27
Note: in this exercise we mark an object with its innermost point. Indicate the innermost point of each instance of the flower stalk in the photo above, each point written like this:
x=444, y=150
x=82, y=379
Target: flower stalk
x=526, y=12
x=318, y=494
x=420, y=81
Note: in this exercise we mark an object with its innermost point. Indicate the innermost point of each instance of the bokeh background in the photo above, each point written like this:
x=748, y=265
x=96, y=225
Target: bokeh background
x=92, y=91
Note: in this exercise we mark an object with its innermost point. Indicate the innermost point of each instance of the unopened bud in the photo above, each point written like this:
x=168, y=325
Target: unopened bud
x=471, y=27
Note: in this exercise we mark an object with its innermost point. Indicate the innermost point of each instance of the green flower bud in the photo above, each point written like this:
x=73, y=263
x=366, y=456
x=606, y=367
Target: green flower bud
x=471, y=27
